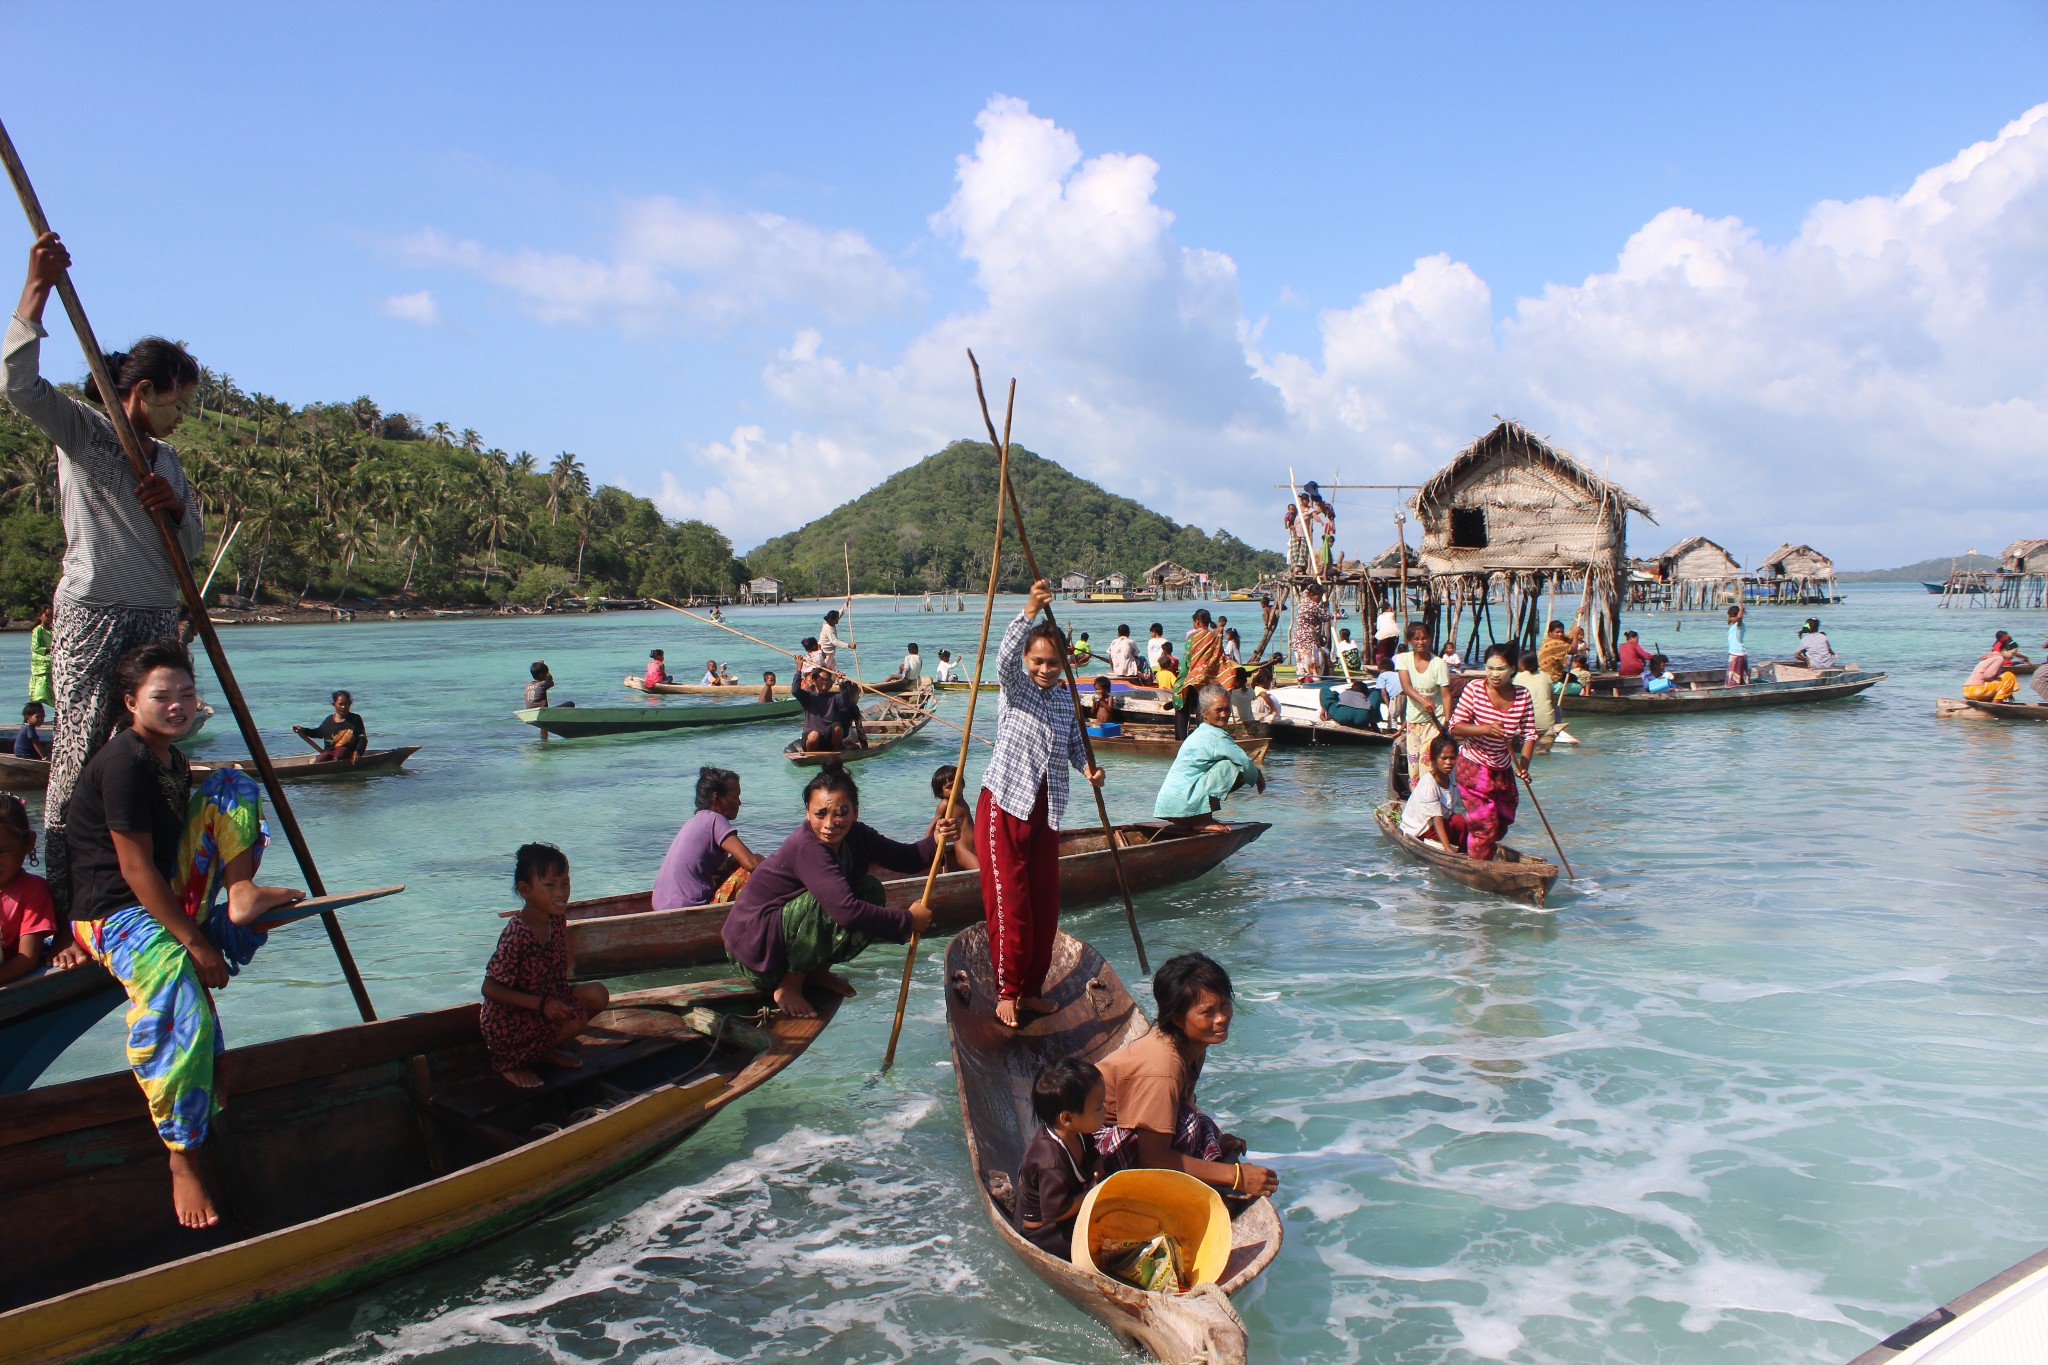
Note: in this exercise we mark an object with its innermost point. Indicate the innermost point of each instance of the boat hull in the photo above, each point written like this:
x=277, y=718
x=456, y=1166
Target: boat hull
x=621, y=934
x=993, y=1069
x=583, y=722
x=373, y=1073
x=1713, y=698
x=1509, y=872
x=307, y=768
x=1993, y=710
x=886, y=724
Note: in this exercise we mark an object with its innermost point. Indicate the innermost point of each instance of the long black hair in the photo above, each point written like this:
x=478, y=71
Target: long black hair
x=1179, y=983
x=14, y=820
x=165, y=365
x=713, y=783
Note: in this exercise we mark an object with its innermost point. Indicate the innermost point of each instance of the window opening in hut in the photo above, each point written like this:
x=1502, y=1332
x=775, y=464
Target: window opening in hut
x=1468, y=528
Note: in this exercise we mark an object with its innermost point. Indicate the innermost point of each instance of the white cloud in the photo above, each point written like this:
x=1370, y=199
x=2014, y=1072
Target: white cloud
x=416, y=307
x=677, y=267
x=1874, y=385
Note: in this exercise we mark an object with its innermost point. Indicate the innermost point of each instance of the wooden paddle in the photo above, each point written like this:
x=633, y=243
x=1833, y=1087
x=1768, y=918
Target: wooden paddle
x=188, y=587
x=1530, y=786
x=988, y=607
x=1087, y=749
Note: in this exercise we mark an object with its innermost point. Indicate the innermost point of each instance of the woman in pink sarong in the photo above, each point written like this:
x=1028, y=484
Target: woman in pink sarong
x=1490, y=716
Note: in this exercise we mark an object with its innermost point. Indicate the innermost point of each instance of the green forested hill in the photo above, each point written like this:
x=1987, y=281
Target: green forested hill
x=929, y=527
x=1926, y=571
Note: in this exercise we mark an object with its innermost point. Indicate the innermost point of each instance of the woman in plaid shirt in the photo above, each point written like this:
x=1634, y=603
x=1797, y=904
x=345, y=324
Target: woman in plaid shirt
x=1023, y=798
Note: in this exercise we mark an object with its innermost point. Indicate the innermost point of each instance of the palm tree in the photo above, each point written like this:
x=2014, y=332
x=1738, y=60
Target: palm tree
x=441, y=433
x=351, y=537
x=583, y=516
x=471, y=441
x=497, y=514
x=566, y=477
x=523, y=463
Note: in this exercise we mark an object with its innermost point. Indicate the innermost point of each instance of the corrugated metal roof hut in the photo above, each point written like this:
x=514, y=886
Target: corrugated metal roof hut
x=1116, y=580
x=762, y=589
x=1512, y=514
x=1074, y=581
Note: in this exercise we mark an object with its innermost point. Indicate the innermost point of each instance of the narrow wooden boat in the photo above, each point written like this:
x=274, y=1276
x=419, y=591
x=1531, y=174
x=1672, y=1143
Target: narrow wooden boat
x=638, y=684
x=1997, y=710
x=581, y=722
x=344, y=1158
x=1153, y=744
x=886, y=723
x=23, y=774
x=1509, y=873
x=994, y=1067
x=45, y=1012
x=308, y=768
x=620, y=934
x=1989, y=1325
x=1629, y=699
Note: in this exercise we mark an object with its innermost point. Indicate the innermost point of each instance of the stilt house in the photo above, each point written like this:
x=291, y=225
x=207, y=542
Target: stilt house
x=1170, y=580
x=1512, y=516
x=1696, y=572
x=1795, y=575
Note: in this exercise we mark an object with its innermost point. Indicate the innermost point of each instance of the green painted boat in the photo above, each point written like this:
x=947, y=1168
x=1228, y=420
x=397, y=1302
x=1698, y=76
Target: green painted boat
x=580, y=722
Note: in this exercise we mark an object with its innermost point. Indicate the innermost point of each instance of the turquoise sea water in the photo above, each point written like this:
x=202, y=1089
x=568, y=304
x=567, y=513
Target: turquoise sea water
x=1765, y=1084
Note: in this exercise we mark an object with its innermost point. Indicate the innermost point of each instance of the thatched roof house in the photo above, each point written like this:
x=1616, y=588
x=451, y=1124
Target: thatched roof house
x=1116, y=580
x=1696, y=559
x=1795, y=561
x=1167, y=574
x=1073, y=581
x=1512, y=505
x=1395, y=555
x=2025, y=556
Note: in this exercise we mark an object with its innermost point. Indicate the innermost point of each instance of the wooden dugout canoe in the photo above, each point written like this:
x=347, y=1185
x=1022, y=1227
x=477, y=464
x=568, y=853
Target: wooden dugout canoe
x=1999, y=710
x=616, y=935
x=345, y=1158
x=582, y=722
x=994, y=1068
x=1159, y=745
x=33, y=774
x=1509, y=872
x=1633, y=701
x=700, y=689
x=886, y=724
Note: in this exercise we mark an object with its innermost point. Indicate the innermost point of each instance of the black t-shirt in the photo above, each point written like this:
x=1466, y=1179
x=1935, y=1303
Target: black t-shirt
x=124, y=788
x=820, y=708
x=1049, y=1189
x=346, y=734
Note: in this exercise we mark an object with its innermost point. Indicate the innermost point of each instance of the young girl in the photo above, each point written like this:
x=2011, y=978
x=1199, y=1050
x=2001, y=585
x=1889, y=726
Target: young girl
x=1060, y=1160
x=27, y=917
x=150, y=860
x=1149, y=1086
x=657, y=669
x=1428, y=814
x=814, y=902
x=1655, y=678
x=1102, y=708
x=530, y=1009
x=1738, y=648
x=960, y=851
x=39, y=688
x=1023, y=798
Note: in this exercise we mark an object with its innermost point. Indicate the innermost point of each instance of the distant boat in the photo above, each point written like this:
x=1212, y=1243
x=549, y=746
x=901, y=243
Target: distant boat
x=1935, y=588
x=581, y=722
x=1777, y=684
x=886, y=723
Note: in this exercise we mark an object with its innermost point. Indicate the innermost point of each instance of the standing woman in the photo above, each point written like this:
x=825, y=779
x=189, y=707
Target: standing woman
x=1023, y=798
x=1489, y=718
x=1202, y=666
x=39, y=660
x=117, y=591
x=151, y=861
x=1310, y=616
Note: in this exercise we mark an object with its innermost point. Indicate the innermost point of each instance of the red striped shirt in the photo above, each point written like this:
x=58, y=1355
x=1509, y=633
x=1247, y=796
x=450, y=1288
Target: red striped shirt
x=1476, y=706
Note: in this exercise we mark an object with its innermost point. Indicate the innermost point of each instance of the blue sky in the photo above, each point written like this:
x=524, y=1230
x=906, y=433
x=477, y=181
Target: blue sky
x=707, y=247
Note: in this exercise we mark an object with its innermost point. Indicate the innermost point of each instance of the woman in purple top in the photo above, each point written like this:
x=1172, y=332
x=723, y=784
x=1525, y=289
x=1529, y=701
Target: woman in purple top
x=706, y=850
x=814, y=901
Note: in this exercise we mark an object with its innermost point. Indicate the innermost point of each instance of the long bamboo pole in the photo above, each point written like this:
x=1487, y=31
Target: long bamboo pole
x=865, y=687
x=846, y=610
x=1116, y=856
x=188, y=587
x=988, y=608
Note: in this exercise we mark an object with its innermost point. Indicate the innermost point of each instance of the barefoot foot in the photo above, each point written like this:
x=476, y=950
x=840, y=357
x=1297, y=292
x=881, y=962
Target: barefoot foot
x=248, y=902
x=789, y=998
x=188, y=1193
x=568, y=1061
x=1006, y=1013
x=522, y=1078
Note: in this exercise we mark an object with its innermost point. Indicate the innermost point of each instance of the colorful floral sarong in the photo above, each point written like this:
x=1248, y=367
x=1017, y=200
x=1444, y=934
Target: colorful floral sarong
x=173, y=1034
x=812, y=939
x=1195, y=1134
x=1491, y=799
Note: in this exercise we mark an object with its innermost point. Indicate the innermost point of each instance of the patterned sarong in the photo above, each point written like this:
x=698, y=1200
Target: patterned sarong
x=1195, y=1134
x=1491, y=799
x=173, y=1034
x=812, y=939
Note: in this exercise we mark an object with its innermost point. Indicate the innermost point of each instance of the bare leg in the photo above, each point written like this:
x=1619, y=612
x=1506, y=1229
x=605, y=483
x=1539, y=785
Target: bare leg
x=188, y=1193
x=789, y=997
x=248, y=902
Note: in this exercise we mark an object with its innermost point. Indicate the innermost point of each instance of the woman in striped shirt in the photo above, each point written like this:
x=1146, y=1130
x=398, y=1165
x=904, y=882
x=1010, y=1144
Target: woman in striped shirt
x=1488, y=719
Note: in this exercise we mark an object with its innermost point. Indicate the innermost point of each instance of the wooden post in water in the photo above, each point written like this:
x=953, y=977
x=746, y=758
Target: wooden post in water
x=188, y=587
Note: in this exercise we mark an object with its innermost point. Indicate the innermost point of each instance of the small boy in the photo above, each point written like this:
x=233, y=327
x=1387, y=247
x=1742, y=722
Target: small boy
x=1082, y=653
x=767, y=688
x=1738, y=648
x=1167, y=671
x=1060, y=1163
x=26, y=745
x=960, y=854
x=543, y=682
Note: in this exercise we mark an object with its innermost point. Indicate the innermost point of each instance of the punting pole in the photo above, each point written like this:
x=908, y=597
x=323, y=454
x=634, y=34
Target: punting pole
x=988, y=607
x=188, y=587
x=1088, y=749
x=1530, y=787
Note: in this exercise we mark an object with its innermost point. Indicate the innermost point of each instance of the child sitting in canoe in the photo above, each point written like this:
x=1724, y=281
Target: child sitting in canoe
x=1060, y=1160
x=657, y=669
x=959, y=852
x=26, y=743
x=1102, y=707
x=1151, y=1120
x=27, y=915
x=947, y=671
x=1658, y=676
x=717, y=674
x=530, y=1009
x=1208, y=767
x=815, y=901
x=1428, y=813
x=767, y=688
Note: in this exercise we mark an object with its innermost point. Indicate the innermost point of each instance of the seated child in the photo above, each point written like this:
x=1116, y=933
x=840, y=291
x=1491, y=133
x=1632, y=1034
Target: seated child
x=1101, y=708
x=1428, y=813
x=1657, y=680
x=1059, y=1163
x=657, y=669
x=1167, y=675
x=947, y=671
x=530, y=1009
x=27, y=915
x=960, y=854
x=767, y=687
x=26, y=745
